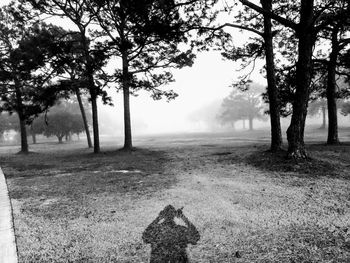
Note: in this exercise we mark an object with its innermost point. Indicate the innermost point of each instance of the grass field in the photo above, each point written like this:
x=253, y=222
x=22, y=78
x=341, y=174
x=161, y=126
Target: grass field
x=73, y=206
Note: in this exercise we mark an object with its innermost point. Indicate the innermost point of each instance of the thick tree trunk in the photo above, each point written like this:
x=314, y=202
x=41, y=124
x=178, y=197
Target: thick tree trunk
x=305, y=33
x=60, y=139
x=126, y=97
x=272, y=91
x=331, y=91
x=251, y=124
x=83, y=115
x=22, y=121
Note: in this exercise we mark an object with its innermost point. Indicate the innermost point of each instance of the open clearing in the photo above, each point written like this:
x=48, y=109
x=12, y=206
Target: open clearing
x=73, y=206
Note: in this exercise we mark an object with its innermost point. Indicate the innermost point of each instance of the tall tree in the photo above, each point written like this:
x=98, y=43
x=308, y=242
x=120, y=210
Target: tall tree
x=262, y=45
x=94, y=53
x=306, y=30
x=145, y=35
x=26, y=51
x=339, y=29
x=72, y=61
x=273, y=94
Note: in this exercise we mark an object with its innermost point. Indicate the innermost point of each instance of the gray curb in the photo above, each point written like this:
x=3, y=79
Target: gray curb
x=8, y=251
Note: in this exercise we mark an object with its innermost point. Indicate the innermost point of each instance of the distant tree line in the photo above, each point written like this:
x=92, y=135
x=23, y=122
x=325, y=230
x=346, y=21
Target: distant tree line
x=63, y=120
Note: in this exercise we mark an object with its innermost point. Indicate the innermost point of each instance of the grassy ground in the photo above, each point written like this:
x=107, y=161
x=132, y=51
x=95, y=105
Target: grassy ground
x=73, y=206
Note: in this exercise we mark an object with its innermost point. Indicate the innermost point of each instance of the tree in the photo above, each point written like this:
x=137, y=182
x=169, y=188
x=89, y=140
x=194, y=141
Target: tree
x=8, y=122
x=345, y=108
x=262, y=45
x=72, y=60
x=62, y=121
x=94, y=54
x=145, y=35
x=242, y=105
x=27, y=48
x=319, y=106
x=306, y=31
x=336, y=35
x=62, y=124
x=273, y=94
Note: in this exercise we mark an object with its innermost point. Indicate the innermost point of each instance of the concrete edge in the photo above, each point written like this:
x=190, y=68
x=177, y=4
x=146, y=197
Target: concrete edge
x=8, y=248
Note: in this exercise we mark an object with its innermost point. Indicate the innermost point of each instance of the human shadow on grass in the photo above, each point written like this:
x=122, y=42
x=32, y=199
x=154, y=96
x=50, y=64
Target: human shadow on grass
x=169, y=240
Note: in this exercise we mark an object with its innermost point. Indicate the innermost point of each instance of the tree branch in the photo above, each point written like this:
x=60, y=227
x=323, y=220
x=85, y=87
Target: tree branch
x=272, y=15
x=234, y=26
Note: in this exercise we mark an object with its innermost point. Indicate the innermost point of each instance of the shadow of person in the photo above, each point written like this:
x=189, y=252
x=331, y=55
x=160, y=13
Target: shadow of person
x=169, y=240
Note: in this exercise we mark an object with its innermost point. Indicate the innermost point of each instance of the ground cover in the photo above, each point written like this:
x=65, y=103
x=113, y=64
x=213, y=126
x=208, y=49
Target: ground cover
x=248, y=205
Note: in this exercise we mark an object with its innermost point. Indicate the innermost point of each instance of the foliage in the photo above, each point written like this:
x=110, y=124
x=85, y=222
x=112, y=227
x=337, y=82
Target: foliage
x=345, y=108
x=242, y=105
x=316, y=106
x=62, y=120
x=72, y=59
x=25, y=64
x=8, y=122
x=145, y=34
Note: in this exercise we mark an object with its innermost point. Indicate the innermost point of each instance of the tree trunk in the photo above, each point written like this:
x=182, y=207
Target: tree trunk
x=33, y=134
x=22, y=121
x=92, y=89
x=34, y=138
x=83, y=115
x=251, y=123
x=331, y=91
x=126, y=97
x=323, y=118
x=306, y=37
x=95, y=123
x=243, y=124
x=272, y=91
x=24, y=139
x=60, y=139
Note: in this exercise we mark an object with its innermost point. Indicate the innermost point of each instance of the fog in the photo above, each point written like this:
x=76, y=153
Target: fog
x=201, y=89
